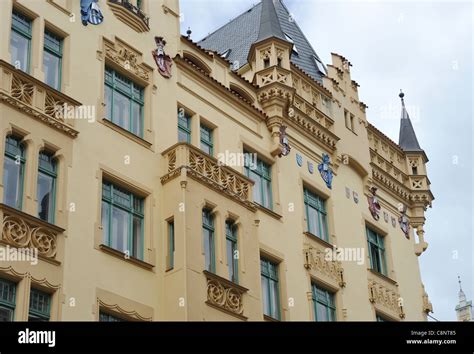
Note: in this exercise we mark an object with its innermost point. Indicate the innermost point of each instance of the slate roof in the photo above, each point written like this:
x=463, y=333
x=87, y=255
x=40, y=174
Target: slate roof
x=236, y=37
x=407, y=138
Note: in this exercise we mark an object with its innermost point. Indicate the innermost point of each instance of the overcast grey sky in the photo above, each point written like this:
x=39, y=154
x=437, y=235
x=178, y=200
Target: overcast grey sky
x=426, y=49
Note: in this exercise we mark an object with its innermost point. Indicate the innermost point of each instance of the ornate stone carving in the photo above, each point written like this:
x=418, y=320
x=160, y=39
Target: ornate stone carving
x=209, y=171
x=128, y=58
x=224, y=294
x=265, y=53
x=384, y=294
x=427, y=305
x=315, y=260
x=22, y=232
x=36, y=99
x=163, y=61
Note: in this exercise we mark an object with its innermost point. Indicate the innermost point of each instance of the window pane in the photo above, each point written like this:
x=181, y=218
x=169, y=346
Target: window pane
x=137, y=127
x=45, y=197
x=121, y=110
x=206, y=148
x=265, y=298
x=120, y=227
x=40, y=304
x=12, y=180
x=274, y=299
x=6, y=314
x=19, y=47
x=137, y=237
x=105, y=221
x=52, y=69
x=313, y=221
x=321, y=312
x=268, y=193
x=183, y=136
x=207, y=249
x=108, y=102
x=257, y=188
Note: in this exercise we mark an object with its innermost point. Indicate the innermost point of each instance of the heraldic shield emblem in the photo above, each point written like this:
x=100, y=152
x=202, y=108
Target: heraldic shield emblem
x=310, y=167
x=299, y=160
x=325, y=170
x=374, y=206
x=163, y=61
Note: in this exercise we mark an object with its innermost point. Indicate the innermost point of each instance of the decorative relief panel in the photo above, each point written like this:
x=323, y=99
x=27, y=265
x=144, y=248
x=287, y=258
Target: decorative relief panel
x=225, y=295
x=315, y=259
x=36, y=99
x=384, y=294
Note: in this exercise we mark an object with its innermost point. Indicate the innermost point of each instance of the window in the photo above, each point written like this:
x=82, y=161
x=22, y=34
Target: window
x=122, y=220
x=184, y=126
x=40, y=306
x=124, y=100
x=261, y=174
x=266, y=63
x=270, y=289
x=414, y=170
x=346, y=119
x=206, y=140
x=46, y=186
x=316, y=217
x=106, y=317
x=208, y=239
x=376, y=252
x=20, y=41
x=7, y=300
x=279, y=62
x=52, y=59
x=289, y=39
x=349, y=119
x=324, y=306
x=13, y=172
x=170, y=264
x=352, y=126
x=232, y=250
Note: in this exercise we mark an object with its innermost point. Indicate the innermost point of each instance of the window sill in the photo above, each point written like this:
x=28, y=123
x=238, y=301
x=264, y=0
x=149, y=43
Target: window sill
x=146, y=144
x=123, y=256
x=319, y=240
x=134, y=18
x=268, y=211
x=384, y=277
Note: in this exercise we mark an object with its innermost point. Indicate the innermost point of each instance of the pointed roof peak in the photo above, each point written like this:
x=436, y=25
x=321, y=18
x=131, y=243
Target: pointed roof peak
x=407, y=138
x=269, y=23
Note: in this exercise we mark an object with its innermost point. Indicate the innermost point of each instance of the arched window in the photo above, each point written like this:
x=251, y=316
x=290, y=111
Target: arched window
x=197, y=62
x=242, y=93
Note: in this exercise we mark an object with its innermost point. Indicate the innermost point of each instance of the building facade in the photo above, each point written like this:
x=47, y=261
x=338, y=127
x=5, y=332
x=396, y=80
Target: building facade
x=233, y=179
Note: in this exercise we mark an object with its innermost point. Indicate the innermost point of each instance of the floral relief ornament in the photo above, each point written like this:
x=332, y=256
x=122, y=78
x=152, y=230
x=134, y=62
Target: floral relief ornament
x=163, y=61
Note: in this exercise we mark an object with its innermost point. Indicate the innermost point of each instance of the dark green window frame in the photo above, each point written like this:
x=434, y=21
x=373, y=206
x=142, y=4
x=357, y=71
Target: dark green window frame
x=207, y=144
x=22, y=25
x=117, y=197
x=115, y=82
x=184, y=125
x=324, y=298
x=15, y=151
x=232, y=250
x=107, y=317
x=8, y=297
x=263, y=171
x=315, y=203
x=377, y=255
x=53, y=44
x=209, y=231
x=40, y=306
x=171, y=245
x=380, y=318
x=269, y=273
x=47, y=166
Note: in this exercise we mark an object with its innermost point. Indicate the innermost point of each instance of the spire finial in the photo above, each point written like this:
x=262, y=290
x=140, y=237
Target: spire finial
x=459, y=281
x=401, y=95
x=188, y=32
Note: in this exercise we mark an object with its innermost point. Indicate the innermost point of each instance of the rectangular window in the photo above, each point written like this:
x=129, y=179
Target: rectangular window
x=106, y=317
x=208, y=239
x=46, y=186
x=124, y=100
x=376, y=252
x=123, y=220
x=184, y=126
x=352, y=126
x=13, y=172
x=323, y=304
x=170, y=264
x=270, y=289
x=20, y=41
x=206, y=140
x=232, y=250
x=52, y=60
x=40, y=306
x=261, y=174
x=316, y=216
x=7, y=300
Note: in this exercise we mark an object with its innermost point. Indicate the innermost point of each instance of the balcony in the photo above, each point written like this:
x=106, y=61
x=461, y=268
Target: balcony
x=384, y=295
x=225, y=295
x=208, y=171
x=130, y=14
x=315, y=262
x=36, y=99
x=23, y=231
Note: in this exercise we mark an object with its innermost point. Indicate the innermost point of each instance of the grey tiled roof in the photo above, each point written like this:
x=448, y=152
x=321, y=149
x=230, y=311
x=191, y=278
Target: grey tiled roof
x=239, y=34
x=407, y=138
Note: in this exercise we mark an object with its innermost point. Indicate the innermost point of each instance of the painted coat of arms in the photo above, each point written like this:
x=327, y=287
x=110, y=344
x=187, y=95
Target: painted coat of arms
x=310, y=167
x=284, y=142
x=325, y=170
x=163, y=61
x=404, y=222
x=374, y=206
x=299, y=160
